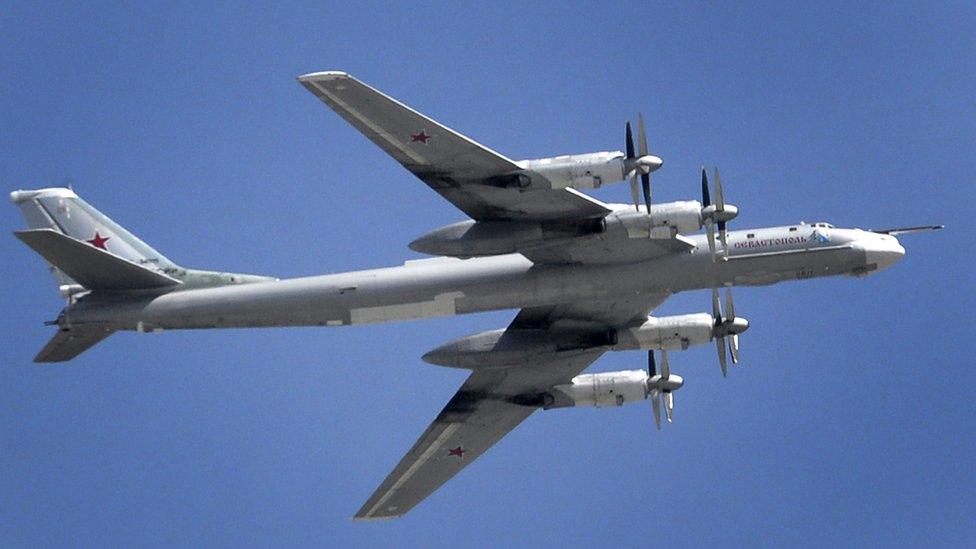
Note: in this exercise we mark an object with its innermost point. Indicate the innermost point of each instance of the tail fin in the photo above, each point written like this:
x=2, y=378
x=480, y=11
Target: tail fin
x=100, y=254
x=87, y=251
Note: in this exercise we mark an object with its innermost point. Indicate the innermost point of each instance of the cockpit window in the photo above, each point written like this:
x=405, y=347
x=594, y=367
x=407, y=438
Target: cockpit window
x=824, y=225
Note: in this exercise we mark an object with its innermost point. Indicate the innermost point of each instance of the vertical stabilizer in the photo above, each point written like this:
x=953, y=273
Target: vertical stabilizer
x=61, y=210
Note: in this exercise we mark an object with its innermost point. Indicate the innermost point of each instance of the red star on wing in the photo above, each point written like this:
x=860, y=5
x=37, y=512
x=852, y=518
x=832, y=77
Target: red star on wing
x=459, y=452
x=421, y=137
x=99, y=241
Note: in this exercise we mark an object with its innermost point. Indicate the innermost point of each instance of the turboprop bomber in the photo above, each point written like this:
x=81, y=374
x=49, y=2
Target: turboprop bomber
x=585, y=276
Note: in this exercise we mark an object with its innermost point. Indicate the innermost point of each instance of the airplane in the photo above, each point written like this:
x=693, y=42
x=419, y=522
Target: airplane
x=585, y=276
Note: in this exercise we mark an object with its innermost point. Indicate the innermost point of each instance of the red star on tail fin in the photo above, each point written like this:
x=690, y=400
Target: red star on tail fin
x=99, y=241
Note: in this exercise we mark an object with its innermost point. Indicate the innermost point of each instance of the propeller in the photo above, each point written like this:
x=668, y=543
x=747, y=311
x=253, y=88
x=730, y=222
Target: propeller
x=632, y=174
x=726, y=327
x=734, y=338
x=640, y=164
x=718, y=213
x=660, y=387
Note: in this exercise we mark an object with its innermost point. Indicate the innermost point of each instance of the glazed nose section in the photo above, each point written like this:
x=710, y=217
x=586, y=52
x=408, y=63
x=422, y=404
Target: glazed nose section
x=883, y=251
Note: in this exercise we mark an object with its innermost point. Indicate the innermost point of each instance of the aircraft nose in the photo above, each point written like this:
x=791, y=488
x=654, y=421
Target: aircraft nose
x=883, y=251
x=445, y=355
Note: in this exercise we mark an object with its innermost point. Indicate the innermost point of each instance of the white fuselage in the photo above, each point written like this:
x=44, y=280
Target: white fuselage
x=449, y=286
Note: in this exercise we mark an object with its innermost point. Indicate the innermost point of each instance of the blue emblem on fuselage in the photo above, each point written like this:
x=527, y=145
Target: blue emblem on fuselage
x=820, y=236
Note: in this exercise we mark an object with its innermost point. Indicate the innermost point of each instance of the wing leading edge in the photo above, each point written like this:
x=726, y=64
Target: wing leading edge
x=457, y=167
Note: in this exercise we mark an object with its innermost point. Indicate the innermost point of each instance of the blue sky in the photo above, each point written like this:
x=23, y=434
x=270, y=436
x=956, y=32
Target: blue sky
x=850, y=421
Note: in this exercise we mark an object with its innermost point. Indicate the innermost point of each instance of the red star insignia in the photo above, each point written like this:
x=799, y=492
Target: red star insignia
x=421, y=137
x=459, y=452
x=99, y=241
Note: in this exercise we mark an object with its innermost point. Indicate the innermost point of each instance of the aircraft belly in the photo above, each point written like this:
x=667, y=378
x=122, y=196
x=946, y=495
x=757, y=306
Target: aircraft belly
x=442, y=305
x=762, y=269
x=397, y=293
x=443, y=287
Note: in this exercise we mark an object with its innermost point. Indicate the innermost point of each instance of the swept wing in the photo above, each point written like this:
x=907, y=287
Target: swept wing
x=492, y=402
x=460, y=169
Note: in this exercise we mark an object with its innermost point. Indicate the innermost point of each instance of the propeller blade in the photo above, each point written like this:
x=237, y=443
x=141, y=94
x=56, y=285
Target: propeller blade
x=651, y=366
x=633, y=190
x=641, y=136
x=716, y=307
x=646, y=185
x=719, y=198
x=722, y=359
x=665, y=367
x=655, y=405
x=724, y=237
x=706, y=200
x=669, y=405
x=710, y=233
x=630, y=142
x=729, y=309
x=734, y=348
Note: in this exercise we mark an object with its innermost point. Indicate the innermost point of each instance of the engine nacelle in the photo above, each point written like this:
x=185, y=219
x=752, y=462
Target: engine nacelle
x=579, y=171
x=475, y=238
x=600, y=390
x=665, y=221
x=672, y=333
x=508, y=348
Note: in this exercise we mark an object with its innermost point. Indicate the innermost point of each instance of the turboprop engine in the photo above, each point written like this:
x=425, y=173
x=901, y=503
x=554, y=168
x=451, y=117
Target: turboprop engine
x=618, y=388
x=679, y=332
x=506, y=348
x=601, y=390
x=665, y=221
x=590, y=170
x=672, y=333
x=577, y=171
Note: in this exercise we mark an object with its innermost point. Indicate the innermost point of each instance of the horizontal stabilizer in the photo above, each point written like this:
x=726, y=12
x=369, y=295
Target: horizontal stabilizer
x=67, y=344
x=92, y=267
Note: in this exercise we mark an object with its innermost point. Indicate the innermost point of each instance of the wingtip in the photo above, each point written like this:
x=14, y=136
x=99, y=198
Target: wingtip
x=322, y=76
x=371, y=518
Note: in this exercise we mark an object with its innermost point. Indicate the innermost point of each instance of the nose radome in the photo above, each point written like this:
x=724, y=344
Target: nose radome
x=883, y=252
x=444, y=355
